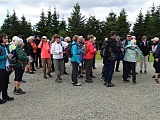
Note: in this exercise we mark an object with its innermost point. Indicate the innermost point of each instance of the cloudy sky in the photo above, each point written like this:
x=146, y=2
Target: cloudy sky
x=31, y=9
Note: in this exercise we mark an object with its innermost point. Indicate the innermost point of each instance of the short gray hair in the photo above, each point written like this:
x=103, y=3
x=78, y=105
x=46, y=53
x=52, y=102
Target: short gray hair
x=19, y=41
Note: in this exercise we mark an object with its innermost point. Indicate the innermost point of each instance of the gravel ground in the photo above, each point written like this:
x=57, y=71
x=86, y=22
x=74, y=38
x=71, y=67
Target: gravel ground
x=47, y=100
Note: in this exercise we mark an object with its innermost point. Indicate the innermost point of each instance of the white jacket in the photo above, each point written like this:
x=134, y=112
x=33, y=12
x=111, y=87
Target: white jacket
x=57, y=49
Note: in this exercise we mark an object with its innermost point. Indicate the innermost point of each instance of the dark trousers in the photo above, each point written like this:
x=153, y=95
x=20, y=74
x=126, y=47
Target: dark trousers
x=94, y=61
x=108, y=70
x=129, y=66
x=4, y=80
x=34, y=59
x=52, y=64
x=117, y=64
x=74, y=72
x=88, y=68
x=38, y=59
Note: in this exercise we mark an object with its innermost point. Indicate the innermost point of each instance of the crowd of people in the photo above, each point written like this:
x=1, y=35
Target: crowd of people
x=51, y=55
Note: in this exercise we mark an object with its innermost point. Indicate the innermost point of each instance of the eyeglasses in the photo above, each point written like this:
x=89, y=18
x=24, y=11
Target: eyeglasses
x=128, y=36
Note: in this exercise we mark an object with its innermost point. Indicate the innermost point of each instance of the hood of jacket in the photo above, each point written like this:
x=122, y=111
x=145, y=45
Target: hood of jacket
x=131, y=47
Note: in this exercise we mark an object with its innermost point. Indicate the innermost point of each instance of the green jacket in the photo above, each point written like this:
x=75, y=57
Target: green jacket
x=131, y=53
x=22, y=58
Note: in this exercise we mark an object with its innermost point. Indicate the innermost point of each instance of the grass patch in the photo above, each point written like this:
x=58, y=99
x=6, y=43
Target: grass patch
x=98, y=56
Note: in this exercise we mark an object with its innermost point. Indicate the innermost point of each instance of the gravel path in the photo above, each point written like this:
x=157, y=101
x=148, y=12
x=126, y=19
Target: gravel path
x=47, y=100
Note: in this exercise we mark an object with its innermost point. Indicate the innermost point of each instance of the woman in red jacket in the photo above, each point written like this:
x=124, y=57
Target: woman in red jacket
x=88, y=57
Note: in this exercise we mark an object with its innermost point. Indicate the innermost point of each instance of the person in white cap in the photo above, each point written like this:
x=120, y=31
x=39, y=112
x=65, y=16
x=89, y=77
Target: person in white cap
x=12, y=45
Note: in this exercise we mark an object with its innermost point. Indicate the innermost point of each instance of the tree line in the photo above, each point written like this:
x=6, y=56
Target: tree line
x=50, y=23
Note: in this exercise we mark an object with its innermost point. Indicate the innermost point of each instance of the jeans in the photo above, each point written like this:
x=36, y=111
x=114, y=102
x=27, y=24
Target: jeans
x=108, y=70
x=74, y=72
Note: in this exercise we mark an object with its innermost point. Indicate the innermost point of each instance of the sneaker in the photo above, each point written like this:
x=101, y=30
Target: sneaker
x=110, y=85
x=157, y=82
x=31, y=72
x=9, y=98
x=49, y=75
x=126, y=81
x=2, y=101
x=78, y=84
x=20, y=92
x=145, y=71
x=140, y=71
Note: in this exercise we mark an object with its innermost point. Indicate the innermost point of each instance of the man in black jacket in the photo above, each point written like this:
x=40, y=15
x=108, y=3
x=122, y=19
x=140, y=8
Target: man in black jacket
x=109, y=62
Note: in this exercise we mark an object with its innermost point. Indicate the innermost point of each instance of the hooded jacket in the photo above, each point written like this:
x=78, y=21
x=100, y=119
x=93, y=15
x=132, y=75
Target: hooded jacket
x=131, y=53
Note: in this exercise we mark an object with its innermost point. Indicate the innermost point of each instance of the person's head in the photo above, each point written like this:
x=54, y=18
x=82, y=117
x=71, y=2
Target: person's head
x=14, y=38
x=113, y=34
x=129, y=36
x=105, y=39
x=81, y=39
x=3, y=39
x=38, y=37
x=30, y=39
x=44, y=38
x=155, y=40
x=52, y=39
x=90, y=38
x=94, y=40
x=19, y=42
x=75, y=38
x=133, y=41
x=144, y=38
x=117, y=38
x=67, y=39
x=133, y=37
x=57, y=38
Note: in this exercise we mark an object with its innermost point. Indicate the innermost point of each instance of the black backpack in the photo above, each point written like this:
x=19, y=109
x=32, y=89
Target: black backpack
x=105, y=51
x=68, y=50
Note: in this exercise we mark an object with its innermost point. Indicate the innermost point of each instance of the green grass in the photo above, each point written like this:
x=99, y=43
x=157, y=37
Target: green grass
x=98, y=57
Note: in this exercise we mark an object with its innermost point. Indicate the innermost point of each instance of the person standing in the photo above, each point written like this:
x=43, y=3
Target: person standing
x=144, y=46
x=20, y=66
x=57, y=52
x=38, y=53
x=156, y=54
x=88, y=57
x=130, y=58
x=12, y=45
x=4, y=65
x=75, y=60
x=109, y=63
x=46, y=56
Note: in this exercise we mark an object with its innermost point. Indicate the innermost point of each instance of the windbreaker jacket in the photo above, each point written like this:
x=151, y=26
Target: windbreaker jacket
x=45, y=49
x=131, y=53
x=90, y=50
x=3, y=56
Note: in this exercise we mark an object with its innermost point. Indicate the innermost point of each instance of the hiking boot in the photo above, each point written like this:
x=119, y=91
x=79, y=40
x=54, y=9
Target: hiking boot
x=88, y=81
x=20, y=92
x=145, y=71
x=58, y=80
x=157, y=82
x=9, y=98
x=2, y=101
x=110, y=85
x=140, y=71
x=126, y=81
x=80, y=76
x=45, y=77
x=49, y=75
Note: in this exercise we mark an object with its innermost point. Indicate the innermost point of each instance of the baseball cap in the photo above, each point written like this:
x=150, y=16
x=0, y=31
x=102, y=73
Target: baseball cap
x=44, y=37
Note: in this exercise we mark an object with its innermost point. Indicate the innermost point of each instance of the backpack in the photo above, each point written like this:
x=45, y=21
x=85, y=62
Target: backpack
x=68, y=50
x=83, y=49
x=105, y=52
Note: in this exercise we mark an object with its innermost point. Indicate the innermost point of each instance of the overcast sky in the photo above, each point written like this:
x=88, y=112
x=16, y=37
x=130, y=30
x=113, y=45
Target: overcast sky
x=31, y=9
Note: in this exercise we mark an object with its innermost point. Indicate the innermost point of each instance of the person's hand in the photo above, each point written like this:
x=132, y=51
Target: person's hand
x=10, y=56
x=156, y=60
x=80, y=64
